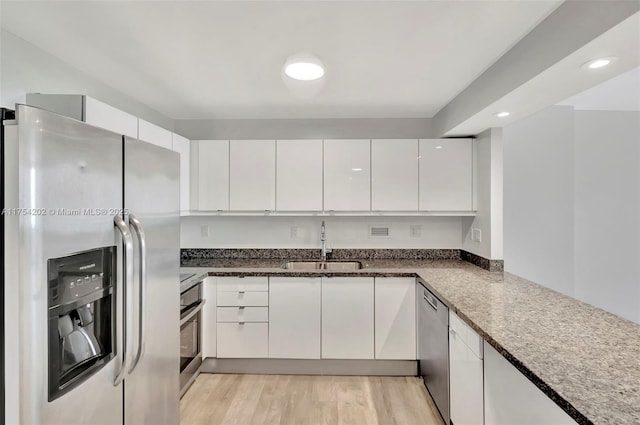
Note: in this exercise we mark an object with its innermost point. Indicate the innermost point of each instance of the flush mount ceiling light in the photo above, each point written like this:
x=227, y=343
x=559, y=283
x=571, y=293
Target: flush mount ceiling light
x=304, y=68
x=503, y=114
x=597, y=63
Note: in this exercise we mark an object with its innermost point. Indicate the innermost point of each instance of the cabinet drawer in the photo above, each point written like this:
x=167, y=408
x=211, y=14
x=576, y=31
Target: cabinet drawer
x=243, y=314
x=468, y=336
x=241, y=299
x=243, y=284
x=237, y=340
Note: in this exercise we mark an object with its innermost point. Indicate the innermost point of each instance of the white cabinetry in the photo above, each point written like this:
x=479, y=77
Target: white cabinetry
x=394, y=175
x=446, y=175
x=395, y=318
x=182, y=146
x=347, y=318
x=153, y=134
x=209, y=323
x=213, y=175
x=465, y=375
x=252, y=181
x=511, y=399
x=240, y=332
x=105, y=116
x=294, y=317
x=299, y=175
x=347, y=175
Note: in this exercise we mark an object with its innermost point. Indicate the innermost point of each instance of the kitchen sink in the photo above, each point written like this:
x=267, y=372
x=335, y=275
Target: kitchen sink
x=322, y=265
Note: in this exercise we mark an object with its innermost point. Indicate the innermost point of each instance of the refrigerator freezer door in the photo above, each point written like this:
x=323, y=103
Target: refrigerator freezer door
x=65, y=168
x=152, y=194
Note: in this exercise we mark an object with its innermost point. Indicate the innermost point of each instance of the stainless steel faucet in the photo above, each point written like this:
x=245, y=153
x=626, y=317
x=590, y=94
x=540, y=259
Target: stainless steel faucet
x=323, y=240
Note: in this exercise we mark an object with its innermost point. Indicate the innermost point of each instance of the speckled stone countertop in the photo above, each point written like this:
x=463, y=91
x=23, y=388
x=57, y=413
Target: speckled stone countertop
x=583, y=358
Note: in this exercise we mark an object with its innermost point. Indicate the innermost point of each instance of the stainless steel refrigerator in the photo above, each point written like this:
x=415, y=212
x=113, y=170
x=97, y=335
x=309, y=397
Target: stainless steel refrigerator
x=90, y=274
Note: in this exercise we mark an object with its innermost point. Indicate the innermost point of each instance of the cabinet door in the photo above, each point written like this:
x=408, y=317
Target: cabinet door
x=394, y=175
x=243, y=340
x=252, y=182
x=446, y=175
x=511, y=399
x=209, y=320
x=465, y=376
x=395, y=318
x=213, y=175
x=153, y=134
x=294, y=317
x=347, y=175
x=299, y=175
x=347, y=318
x=105, y=116
x=182, y=146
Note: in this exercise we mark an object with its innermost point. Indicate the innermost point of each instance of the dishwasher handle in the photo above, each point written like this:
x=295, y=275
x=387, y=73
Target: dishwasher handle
x=431, y=299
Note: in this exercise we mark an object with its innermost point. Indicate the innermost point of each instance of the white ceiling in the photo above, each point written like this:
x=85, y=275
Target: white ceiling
x=223, y=59
x=621, y=93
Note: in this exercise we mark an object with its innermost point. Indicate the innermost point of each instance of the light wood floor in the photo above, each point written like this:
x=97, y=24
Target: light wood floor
x=307, y=400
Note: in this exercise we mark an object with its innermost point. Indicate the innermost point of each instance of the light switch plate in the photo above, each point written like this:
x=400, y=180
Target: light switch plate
x=477, y=235
x=415, y=231
x=205, y=231
x=293, y=232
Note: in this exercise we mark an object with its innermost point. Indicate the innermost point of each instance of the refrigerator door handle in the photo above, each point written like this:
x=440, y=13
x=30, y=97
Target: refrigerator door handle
x=127, y=307
x=136, y=226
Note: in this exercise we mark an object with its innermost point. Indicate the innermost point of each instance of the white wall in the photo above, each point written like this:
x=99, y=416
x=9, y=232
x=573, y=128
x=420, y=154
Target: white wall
x=488, y=186
x=607, y=210
x=24, y=68
x=538, y=198
x=572, y=205
x=341, y=232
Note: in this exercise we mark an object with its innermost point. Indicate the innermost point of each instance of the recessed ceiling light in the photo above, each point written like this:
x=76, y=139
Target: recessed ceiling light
x=356, y=169
x=438, y=147
x=304, y=71
x=598, y=63
x=503, y=114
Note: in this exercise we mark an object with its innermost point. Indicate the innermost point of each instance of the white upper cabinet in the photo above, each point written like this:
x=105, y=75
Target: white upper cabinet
x=153, y=134
x=299, y=175
x=213, y=175
x=446, y=175
x=394, y=175
x=395, y=318
x=105, y=116
x=347, y=175
x=182, y=146
x=252, y=180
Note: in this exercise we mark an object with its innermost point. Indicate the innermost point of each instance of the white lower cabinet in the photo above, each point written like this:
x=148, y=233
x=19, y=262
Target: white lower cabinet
x=511, y=399
x=395, y=318
x=294, y=317
x=465, y=374
x=347, y=318
x=242, y=340
x=243, y=317
x=209, y=323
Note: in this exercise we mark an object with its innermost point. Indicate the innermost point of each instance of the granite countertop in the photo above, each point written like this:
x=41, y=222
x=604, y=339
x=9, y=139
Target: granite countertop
x=583, y=358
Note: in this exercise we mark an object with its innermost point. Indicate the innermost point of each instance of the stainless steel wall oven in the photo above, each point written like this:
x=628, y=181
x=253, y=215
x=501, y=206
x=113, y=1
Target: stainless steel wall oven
x=191, y=303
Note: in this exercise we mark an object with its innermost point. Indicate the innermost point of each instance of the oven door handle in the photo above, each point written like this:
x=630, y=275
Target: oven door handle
x=127, y=307
x=136, y=226
x=192, y=313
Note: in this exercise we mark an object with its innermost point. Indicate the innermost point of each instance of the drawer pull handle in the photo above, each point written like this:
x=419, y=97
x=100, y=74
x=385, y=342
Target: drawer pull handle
x=241, y=307
x=241, y=323
x=241, y=292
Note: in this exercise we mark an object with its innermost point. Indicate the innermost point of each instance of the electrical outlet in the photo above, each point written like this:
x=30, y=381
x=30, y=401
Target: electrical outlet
x=415, y=230
x=293, y=232
x=205, y=231
x=477, y=235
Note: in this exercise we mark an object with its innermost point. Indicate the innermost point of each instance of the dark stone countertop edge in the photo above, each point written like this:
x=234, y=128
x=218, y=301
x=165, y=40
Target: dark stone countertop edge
x=564, y=404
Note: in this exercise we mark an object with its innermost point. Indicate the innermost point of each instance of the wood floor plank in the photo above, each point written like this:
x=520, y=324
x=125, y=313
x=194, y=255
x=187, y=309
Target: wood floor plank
x=307, y=400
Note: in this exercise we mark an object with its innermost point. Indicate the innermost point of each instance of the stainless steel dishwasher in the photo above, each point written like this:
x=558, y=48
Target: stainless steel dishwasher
x=433, y=348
